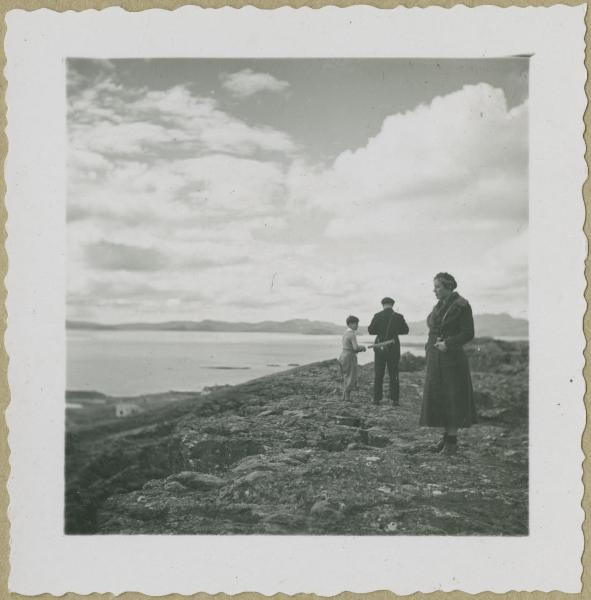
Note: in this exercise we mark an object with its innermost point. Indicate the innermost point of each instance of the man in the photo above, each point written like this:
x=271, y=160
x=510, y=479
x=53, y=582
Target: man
x=387, y=325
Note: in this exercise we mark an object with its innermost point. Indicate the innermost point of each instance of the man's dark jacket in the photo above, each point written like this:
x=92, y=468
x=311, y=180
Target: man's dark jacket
x=388, y=325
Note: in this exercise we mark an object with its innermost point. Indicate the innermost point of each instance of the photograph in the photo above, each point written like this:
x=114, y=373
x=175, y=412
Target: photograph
x=297, y=296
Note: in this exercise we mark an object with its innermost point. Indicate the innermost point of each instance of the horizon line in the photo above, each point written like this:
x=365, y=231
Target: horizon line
x=68, y=320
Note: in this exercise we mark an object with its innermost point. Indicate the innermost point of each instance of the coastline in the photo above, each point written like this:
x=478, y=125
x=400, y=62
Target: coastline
x=282, y=454
x=146, y=367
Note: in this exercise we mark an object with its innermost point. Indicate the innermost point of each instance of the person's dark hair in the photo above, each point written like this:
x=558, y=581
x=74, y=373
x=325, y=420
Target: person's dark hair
x=447, y=280
x=352, y=319
x=388, y=300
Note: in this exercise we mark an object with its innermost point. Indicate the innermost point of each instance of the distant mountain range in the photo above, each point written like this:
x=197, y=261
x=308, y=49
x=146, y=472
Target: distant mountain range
x=487, y=325
x=292, y=326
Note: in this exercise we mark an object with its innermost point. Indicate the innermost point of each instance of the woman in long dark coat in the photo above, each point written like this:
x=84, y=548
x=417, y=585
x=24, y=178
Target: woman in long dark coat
x=448, y=399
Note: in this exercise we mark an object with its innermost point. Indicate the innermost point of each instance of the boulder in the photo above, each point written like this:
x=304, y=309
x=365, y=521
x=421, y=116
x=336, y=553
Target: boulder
x=285, y=519
x=135, y=506
x=299, y=413
x=197, y=481
x=240, y=511
x=348, y=420
x=326, y=510
x=298, y=441
x=153, y=484
x=208, y=452
x=492, y=413
x=252, y=477
x=174, y=487
x=268, y=412
x=373, y=459
x=377, y=437
x=336, y=438
x=255, y=463
x=410, y=363
x=357, y=446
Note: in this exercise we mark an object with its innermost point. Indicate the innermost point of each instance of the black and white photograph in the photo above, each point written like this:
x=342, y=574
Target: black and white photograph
x=297, y=297
x=295, y=300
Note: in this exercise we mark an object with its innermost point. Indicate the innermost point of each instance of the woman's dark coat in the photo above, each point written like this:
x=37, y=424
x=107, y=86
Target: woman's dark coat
x=448, y=399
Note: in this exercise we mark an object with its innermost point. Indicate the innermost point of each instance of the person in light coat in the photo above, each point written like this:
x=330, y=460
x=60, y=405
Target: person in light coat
x=348, y=358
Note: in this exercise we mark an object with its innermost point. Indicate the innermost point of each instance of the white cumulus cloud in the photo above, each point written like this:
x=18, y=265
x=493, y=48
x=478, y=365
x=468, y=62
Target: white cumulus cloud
x=225, y=205
x=248, y=82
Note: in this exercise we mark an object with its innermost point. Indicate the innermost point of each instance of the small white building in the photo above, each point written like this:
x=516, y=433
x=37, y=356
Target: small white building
x=126, y=409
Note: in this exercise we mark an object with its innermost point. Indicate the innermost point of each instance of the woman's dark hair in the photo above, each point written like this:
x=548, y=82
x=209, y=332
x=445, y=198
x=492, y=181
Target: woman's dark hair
x=447, y=280
x=352, y=319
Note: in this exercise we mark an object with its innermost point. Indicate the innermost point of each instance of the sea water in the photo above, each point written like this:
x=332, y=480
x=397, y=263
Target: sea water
x=128, y=363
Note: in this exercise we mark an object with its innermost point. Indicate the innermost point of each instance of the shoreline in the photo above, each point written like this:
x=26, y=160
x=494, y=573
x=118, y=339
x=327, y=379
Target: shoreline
x=269, y=455
x=76, y=393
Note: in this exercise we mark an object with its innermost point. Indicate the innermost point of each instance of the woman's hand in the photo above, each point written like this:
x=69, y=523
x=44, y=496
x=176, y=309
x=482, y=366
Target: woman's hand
x=441, y=346
x=361, y=349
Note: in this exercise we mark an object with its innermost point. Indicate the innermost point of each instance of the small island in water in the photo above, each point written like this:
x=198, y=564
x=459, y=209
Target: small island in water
x=283, y=454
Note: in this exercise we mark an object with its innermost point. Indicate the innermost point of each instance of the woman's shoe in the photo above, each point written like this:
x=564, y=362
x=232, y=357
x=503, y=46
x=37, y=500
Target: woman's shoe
x=451, y=445
x=440, y=445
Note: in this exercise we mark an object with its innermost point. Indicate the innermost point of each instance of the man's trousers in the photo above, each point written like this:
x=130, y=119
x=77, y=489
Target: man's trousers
x=391, y=360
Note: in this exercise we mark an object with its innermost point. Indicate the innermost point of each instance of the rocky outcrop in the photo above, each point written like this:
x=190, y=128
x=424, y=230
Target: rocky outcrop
x=498, y=356
x=284, y=454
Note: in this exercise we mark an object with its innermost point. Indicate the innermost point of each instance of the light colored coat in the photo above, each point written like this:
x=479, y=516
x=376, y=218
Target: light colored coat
x=348, y=361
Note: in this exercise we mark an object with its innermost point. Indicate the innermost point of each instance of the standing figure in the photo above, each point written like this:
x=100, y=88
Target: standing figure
x=387, y=325
x=448, y=399
x=348, y=357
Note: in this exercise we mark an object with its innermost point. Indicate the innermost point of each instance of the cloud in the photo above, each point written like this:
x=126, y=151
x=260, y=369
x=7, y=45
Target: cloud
x=175, y=102
x=440, y=187
x=221, y=184
x=224, y=206
x=183, y=192
x=124, y=138
x=88, y=163
x=232, y=135
x=123, y=257
x=206, y=126
x=461, y=158
x=108, y=119
x=150, y=301
x=247, y=82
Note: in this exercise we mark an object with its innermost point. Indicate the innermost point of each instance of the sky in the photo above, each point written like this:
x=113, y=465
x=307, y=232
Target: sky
x=247, y=190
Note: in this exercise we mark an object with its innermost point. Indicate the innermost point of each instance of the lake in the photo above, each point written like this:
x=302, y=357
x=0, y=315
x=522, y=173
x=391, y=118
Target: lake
x=127, y=363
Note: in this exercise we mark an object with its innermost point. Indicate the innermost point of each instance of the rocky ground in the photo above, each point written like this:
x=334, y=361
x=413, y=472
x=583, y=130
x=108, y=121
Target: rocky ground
x=285, y=455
